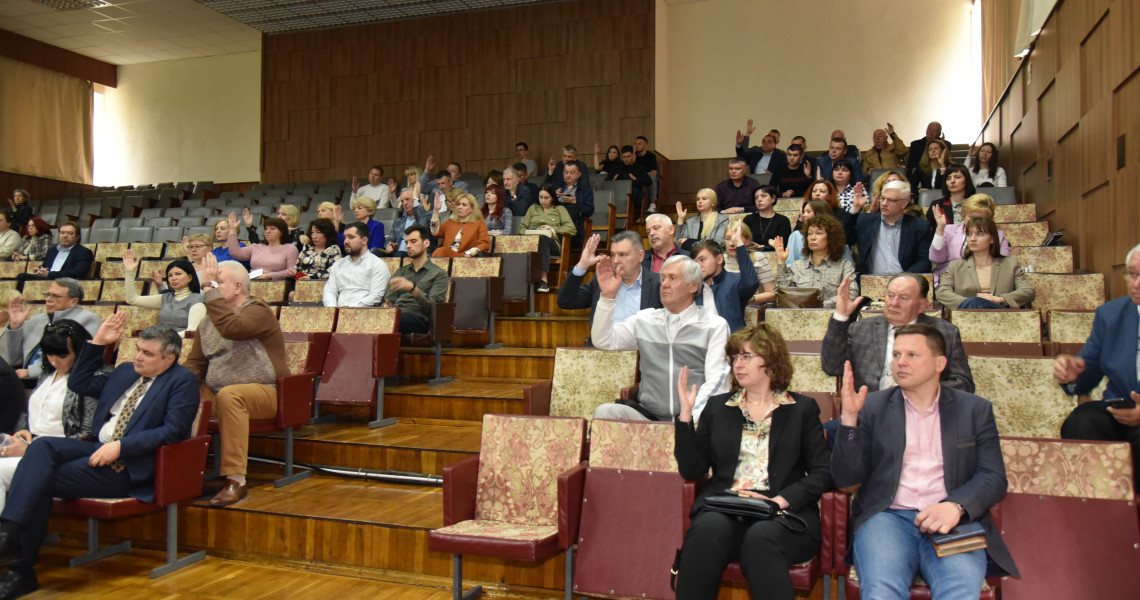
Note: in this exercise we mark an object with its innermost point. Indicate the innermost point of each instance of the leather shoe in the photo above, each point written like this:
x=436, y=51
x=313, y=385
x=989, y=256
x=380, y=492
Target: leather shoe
x=14, y=584
x=10, y=548
x=232, y=492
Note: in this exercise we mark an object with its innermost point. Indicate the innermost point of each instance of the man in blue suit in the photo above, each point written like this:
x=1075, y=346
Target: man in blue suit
x=69, y=258
x=1113, y=351
x=142, y=405
x=889, y=241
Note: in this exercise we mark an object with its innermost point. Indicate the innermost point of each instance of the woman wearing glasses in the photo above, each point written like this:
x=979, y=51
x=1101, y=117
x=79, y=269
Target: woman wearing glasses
x=52, y=410
x=760, y=441
x=180, y=305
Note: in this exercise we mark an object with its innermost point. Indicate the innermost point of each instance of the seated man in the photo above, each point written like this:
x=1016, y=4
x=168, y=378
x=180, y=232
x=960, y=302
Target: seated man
x=796, y=175
x=660, y=230
x=680, y=334
x=838, y=150
x=883, y=155
x=913, y=483
x=417, y=284
x=433, y=185
x=765, y=159
x=630, y=170
x=376, y=189
x=519, y=194
x=522, y=155
x=577, y=199
x=867, y=343
x=735, y=194
x=889, y=241
x=731, y=291
x=648, y=162
x=411, y=213
x=238, y=355
x=640, y=287
x=69, y=258
x=22, y=341
x=554, y=169
x=360, y=278
x=1110, y=351
x=143, y=404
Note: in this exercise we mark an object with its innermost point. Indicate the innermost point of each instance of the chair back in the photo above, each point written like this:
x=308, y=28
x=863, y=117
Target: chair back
x=585, y=378
x=875, y=286
x=1027, y=401
x=35, y=290
x=1015, y=213
x=808, y=375
x=799, y=323
x=306, y=319
x=138, y=318
x=1044, y=259
x=1026, y=234
x=116, y=291
x=309, y=291
x=147, y=268
x=1067, y=292
x=392, y=262
x=368, y=320
x=637, y=445
x=147, y=249
x=998, y=325
x=272, y=292
x=1070, y=326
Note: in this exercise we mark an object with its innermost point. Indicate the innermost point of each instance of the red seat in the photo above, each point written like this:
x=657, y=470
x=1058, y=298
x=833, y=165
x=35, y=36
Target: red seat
x=363, y=351
x=178, y=476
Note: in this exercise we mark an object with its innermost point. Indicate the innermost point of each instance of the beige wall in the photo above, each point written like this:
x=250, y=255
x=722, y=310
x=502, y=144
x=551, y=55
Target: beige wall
x=181, y=120
x=793, y=65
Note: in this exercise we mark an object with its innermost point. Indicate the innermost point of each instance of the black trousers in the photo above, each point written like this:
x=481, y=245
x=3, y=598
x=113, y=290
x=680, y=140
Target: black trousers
x=412, y=323
x=547, y=247
x=765, y=549
x=1092, y=421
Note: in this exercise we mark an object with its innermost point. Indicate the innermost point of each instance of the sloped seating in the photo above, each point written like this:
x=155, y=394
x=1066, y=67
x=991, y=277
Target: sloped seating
x=365, y=349
x=1022, y=326
x=584, y=378
x=1015, y=213
x=112, y=272
x=106, y=251
x=138, y=319
x=1027, y=401
x=102, y=310
x=174, y=249
x=35, y=290
x=1044, y=259
x=308, y=291
x=1067, y=292
x=875, y=286
x=493, y=508
x=1069, y=329
x=1026, y=234
x=307, y=319
x=477, y=290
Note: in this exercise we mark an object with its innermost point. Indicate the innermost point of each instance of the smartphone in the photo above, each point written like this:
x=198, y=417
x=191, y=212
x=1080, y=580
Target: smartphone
x=1119, y=402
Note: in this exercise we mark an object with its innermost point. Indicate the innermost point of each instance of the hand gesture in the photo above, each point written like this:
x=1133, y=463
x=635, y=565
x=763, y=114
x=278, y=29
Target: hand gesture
x=788, y=194
x=739, y=137
x=338, y=213
x=973, y=150
x=874, y=205
x=807, y=168
x=939, y=219
x=16, y=313
x=233, y=223
x=938, y=518
x=687, y=395
x=737, y=236
x=106, y=454
x=844, y=305
x=550, y=166
x=305, y=241
x=429, y=166
x=439, y=202
x=210, y=271
x=818, y=173
x=781, y=251
x=186, y=244
x=111, y=329
x=890, y=129
x=1066, y=368
x=608, y=281
x=851, y=401
x=156, y=279
x=401, y=283
x=130, y=263
x=246, y=217
x=392, y=185
x=597, y=147
x=355, y=183
x=590, y=256
x=681, y=212
x=751, y=127
x=859, y=200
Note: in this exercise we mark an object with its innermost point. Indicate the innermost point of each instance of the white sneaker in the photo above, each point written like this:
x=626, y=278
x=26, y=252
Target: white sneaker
x=652, y=207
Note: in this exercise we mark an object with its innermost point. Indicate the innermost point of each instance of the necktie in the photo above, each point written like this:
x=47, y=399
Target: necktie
x=125, y=417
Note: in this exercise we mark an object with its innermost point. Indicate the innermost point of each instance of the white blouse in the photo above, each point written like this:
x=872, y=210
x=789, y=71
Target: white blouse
x=45, y=407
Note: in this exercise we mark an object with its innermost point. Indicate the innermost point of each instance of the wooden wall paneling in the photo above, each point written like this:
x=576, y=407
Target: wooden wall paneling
x=345, y=154
x=389, y=118
x=545, y=140
x=592, y=69
x=535, y=41
x=1098, y=143
x=637, y=68
x=352, y=59
x=309, y=175
x=631, y=128
x=1047, y=112
x=1125, y=214
x=446, y=81
x=636, y=30
x=446, y=145
x=350, y=116
x=1095, y=52
x=1067, y=88
x=490, y=119
x=1124, y=23
x=491, y=77
x=40, y=188
x=308, y=145
x=590, y=112
x=401, y=55
x=445, y=113
x=582, y=36
x=1100, y=244
x=275, y=112
x=395, y=150
x=541, y=73
x=1017, y=104
x=1126, y=120
x=273, y=153
x=1042, y=63
x=312, y=64
x=992, y=133
x=1068, y=210
x=539, y=106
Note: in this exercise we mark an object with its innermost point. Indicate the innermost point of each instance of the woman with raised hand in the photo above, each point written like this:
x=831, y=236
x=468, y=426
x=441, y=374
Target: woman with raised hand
x=823, y=265
x=276, y=260
x=949, y=242
x=707, y=224
x=180, y=305
x=221, y=235
x=610, y=162
x=932, y=168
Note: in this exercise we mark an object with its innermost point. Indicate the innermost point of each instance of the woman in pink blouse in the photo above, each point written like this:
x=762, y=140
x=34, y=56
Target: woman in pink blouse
x=276, y=260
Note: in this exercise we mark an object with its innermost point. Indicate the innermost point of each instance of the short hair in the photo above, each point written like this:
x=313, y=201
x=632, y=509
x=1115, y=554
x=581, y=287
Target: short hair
x=985, y=225
x=712, y=246
x=768, y=135
x=378, y=168
x=442, y=174
x=292, y=215
x=569, y=148
x=1127, y=259
x=61, y=336
x=368, y=203
x=775, y=130
x=237, y=270
x=769, y=189
x=628, y=236
x=327, y=229
x=457, y=165
x=934, y=339
x=978, y=203
x=627, y=149
x=568, y=165
x=74, y=290
x=690, y=270
x=524, y=145
x=658, y=217
x=23, y=193
x=331, y=206
x=73, y=225
x=170, y=343
x=201, y=237
x=642, y=138
x=510, y=171
x=843, y=164
x=877, y=187
x=800, y=137
x=902, y=186
x=519, y=168
x=768, y=343
x=737, y=161
x=420, y=229
x=360, y=228
x=839, y=139
x=961, y=169
x=836, y=238
x=923, y=284
x=279, y=225
x=795, y=148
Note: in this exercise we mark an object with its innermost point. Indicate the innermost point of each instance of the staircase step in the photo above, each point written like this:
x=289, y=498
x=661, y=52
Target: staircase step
x=544, y=302
x=418, y=364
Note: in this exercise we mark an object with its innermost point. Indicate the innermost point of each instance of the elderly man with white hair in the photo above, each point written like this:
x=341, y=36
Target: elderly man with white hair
x=660, y=230
x=681, y=334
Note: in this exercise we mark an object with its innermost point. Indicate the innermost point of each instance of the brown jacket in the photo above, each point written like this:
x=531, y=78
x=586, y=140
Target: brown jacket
x=893, y=157
x=238, y=347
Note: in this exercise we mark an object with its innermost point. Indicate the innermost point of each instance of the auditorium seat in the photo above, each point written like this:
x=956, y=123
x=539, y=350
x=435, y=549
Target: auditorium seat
x=1067, y=292
x=365, y=349
x=166, y=234
x=584, y=378
x=493, y=508
x=875, y=286
x=604, y=212
x=101, y=235
x=1012, y=325
x=146, y=249
x=307, y=319
x=1026, y=234
x=1014, y=213
x=808, y=375
x=1044, y=259
x=137, y=234
x=272, y=292
x=477, y=290
x=1069, y=329
x=1026, y=400
x=149, y=267
x=308, y=291
x=803, y=328
x=522, y=266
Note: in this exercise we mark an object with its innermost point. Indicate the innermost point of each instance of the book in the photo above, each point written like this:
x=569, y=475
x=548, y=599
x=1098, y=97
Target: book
x=963, y=538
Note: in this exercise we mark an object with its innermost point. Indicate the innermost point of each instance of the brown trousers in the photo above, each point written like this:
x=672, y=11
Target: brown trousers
x=233, y=407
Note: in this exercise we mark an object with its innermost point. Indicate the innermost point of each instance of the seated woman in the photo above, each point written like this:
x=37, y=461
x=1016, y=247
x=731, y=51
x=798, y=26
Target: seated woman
x=221, y=235
x=465, y=234
x=180, y=305
x=7, y=295
x=766, y=224
x=610, y=163
x=320, y=253
x=708, y=224
x=824, y=190
x=275, y=259
x=760, y=441
x=334, y=213
x=288, y=213
x=983, y=278
x=929, y=173
x=795, y=243
x=495, y=211
x=823, y=265
x=197, y=246
x=53, y=410
x=982, y=164
x=550, y=220
x=950, y=239
x=956, y=187
x=363, y=208
x=36, y=243
x=842, y=180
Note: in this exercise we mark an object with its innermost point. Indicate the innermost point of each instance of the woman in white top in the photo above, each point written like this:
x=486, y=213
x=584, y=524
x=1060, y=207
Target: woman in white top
x=982, y=163
x=53, y=410
x=180, y=305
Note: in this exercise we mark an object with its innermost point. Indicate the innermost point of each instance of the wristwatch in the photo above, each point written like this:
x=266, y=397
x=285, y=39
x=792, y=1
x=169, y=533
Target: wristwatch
x=962, y=509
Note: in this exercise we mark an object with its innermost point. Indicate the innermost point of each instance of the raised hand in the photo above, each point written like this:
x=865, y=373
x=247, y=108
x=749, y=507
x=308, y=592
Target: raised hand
x=751, y=127
x=16, y=313
x=550, y=166
x=890, y=129
x=186, y=244
x=338, y=213
x=246, y=217
x=111, y=329
x=781, y=251
x=608, y=281
x=130, y=263
x=429, y=166
x=439, y=202
x=687, y=395
x=973, y=150
x=807, y=168
x=355, y=183
x=844, y=305
x=851, y=401
x=737, y=236
x=859, y=200
x=939, y=220
x=233, y=223
x=1066, y=368
x=210, y=270
x=597, y=147
x=590, y=256
x=739, y=137
x=681, y=212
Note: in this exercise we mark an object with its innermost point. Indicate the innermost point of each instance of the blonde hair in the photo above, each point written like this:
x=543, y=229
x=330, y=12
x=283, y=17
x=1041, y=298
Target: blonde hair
x=475, y=214
x=877, y=188
x=326, y=206
x=414, y=170
x=978, y=203
x=368, y=203
x=201, y=237
x=292, y=215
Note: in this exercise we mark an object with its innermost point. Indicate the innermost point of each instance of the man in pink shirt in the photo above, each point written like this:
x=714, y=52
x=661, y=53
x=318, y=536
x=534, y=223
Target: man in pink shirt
x=927, y=458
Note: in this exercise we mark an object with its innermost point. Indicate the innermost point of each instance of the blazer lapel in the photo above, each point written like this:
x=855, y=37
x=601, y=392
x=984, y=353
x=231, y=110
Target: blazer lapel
x=879, y=348
x=896, y=433
x=972, y=271
x=148, y=401
x=948, y=416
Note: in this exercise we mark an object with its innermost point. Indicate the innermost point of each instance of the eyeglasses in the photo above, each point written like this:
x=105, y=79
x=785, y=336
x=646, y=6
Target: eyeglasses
x=197, y=246
x=745, y=356
x=56, y=297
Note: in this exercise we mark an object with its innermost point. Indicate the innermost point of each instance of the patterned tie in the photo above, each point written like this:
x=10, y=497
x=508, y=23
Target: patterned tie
x=125, y=418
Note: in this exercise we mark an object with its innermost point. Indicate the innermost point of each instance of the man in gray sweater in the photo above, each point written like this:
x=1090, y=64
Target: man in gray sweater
x=22, y=342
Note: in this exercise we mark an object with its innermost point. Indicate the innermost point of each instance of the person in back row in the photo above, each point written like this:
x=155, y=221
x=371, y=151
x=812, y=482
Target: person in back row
x=417, y=284
x=888, y=241
x=68, y=258
x=660, y=231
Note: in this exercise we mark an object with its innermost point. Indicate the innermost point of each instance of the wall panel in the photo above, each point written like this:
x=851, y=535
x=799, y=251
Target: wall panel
x=462, y=87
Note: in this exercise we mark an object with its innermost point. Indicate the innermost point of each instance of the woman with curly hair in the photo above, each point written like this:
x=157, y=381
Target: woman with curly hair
x=823, y=265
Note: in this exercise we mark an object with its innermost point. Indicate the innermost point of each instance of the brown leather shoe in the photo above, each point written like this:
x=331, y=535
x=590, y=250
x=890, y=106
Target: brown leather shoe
x=232, y=492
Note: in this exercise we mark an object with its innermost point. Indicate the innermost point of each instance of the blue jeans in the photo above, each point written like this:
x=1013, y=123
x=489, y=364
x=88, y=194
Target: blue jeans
x=890, y=549
x=976, y=302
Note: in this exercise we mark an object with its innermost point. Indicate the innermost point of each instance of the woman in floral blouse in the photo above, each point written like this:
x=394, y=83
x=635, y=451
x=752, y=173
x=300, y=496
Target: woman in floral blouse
x=320, y=253
x=37, y=243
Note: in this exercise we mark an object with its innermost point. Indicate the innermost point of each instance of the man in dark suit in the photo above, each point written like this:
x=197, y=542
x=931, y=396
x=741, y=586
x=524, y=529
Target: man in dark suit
x=578, y=200
x=640, y=289
x=866, y=344
x=67, y=259
x=918, y=147
x=142, y=405
x=765, y=159
x=1110, y=351
x=890, y=240
x=927, y=458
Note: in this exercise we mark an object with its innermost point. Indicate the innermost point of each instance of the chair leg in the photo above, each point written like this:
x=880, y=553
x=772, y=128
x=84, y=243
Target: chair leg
x=317, y=416
x=457, y=581
x=216, y=471
x=173, y=563
x=569, y=586
x=93, y=551
x=827, y=586
x=290, y=476
x=841, y=587
x=380, y=421
x=530, y=298
x=493, y=345
x=438, y=349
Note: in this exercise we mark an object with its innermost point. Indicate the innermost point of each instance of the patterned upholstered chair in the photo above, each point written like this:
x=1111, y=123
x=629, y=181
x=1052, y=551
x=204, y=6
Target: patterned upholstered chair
x=875, y=286
x=808, y=375
x=1044, y=259
x=493, y=508
x=148, y=250
x=115, y=291
x=102, y=310
x=174, y=250
x=1026, y=234
x=1026, y=400
x=151, y=266
x=1069, y=329
x=1015, y=213
x=522, y=266
x=112, y=270
x=305, y=319
x=127, y=347
x=1000, y=332
x=584, y=378
x=308, y=291
x=35, y=290
x=92, y=288
x=802, y=328
x=11, y=269
x=106, y=251
x=1067, y=292
x=364, y=349
x=477, y=290
x=393, y=263
x=788, y=205
x=272, y=292
x=178, y=476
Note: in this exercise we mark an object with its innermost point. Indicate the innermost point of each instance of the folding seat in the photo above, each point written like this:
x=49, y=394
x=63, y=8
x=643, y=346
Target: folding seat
x=604, y=214
x=35, y=290
x=137, y=234
x=216, y=204
x=227, y=197
x=1015, y=213
x=761, y=178
x=803, y=328
x=1002, y=332
x=150, y=213
x=307, y=319
x=126, y=223
x=1003, y=196
x=622, y=200
x=166, y=234
x=1026, y=234
x=569, y=394
x=1069, y=329
x=1044, y=259
x=284, y=188
x=1026, y=400
x=11, y=269
x=1067, y=292
x=158, y=222
x=493, y=508
x=308, y=291
x=176, y=212
x=150, y=267
x=365, y=349
x=477, y=290
x=147, y=249
x=202, y=186
x=138, y=319
x=106, y=223
x=522, y=266
x=272, y=292
x=101, y=235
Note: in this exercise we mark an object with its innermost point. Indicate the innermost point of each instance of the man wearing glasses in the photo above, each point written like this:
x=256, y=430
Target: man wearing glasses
x=22, y=342
x=889, y=241
x=1113, y=351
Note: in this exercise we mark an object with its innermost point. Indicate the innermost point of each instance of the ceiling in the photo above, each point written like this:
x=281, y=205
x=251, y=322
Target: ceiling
x=124, y=32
